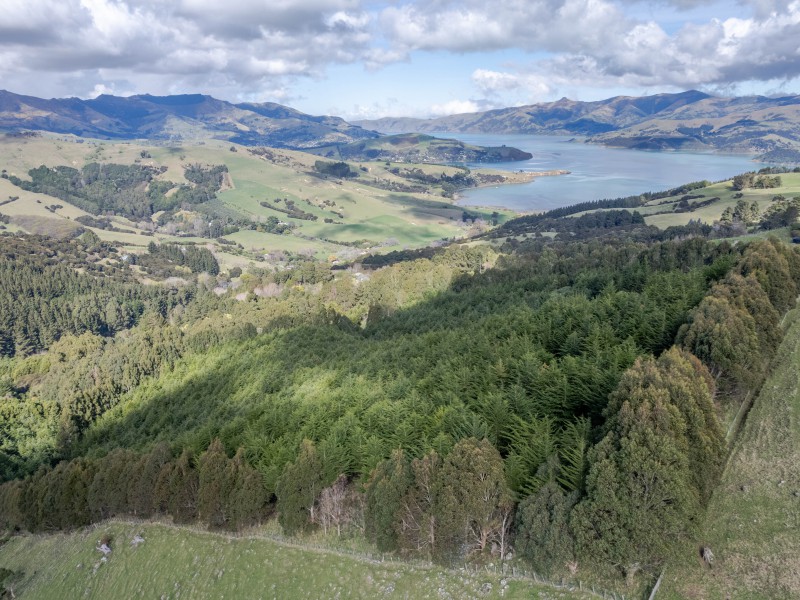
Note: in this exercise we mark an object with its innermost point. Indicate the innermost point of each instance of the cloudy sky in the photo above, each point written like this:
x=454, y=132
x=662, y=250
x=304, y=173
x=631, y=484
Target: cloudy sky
x=370, y=58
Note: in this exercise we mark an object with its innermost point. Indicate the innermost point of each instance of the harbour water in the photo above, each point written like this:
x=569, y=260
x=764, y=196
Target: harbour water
x=596, y=171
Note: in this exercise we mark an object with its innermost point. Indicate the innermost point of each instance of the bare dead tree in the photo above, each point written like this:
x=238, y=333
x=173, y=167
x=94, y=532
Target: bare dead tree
x=330, y=509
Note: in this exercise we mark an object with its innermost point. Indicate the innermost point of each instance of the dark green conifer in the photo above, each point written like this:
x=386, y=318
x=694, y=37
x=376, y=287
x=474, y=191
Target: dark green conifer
x=297, y=490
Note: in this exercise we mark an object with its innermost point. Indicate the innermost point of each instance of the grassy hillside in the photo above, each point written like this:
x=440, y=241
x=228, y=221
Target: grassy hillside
x=419, y=148
x=378, y=209
x=460, y=373
x=661, y=212
x=176, y=562
x=753, y=522
x=715, y=210
x=707, y=203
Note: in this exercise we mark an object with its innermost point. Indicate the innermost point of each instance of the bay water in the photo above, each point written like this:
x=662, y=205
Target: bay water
x=596, y=171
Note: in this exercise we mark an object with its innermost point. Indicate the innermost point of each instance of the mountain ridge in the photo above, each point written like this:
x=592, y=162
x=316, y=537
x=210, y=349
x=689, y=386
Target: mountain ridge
x=178, y=118
x=690, y=120
x=686, y=120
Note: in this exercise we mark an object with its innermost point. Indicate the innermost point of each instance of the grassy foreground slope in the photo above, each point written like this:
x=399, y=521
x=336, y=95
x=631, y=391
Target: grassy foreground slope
x=181, y=563
x=753, y=521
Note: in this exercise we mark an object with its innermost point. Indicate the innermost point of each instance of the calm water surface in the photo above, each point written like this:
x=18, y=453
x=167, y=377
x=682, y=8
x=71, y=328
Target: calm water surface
x=596, y=171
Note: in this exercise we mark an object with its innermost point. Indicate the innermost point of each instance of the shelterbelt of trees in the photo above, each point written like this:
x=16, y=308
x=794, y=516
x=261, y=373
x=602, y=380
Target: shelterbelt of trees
x=563, y=399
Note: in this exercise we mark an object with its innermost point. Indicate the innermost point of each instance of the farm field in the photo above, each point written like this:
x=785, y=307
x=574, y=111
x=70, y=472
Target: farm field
x=176, y=562
x=753, y=521
x=351, y=214
x=659, y=212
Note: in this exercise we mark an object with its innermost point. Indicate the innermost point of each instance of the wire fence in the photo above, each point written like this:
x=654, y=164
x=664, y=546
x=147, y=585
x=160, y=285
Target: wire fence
x=505, y=569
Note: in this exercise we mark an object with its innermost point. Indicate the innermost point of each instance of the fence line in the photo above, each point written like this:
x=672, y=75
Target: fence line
x=517, y=573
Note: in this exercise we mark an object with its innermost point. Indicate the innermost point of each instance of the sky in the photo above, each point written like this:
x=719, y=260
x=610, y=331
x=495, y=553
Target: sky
x=422, y=58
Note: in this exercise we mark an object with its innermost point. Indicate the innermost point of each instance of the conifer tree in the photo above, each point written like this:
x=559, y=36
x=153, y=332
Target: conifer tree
x=161, y=491
x=660, y=457
x=216, y=484
x=691, y=390
x=639, y=499
x=773, y=272
x=11, y=498
x=476, y=502
x=248, y=494
x=384, y=495
x=724, y=337
x=142, y=497
x=297, y=490
x=543, y=533
x=747, y=294
x=183, y=489
x=418, y=524
x=75, y=509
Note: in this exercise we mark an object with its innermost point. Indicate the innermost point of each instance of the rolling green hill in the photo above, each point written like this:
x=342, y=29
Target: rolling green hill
x=556, y=402
x=382, y=208
x=515, y=371
x=419, y=148
x=749, y=205
x=708, y=203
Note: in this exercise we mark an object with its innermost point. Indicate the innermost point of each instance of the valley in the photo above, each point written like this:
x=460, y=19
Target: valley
x=220, y=363
x=382, y=206
x=400, y=300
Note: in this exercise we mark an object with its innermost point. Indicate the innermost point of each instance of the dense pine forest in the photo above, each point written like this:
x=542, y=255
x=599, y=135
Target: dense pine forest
x=559, y=401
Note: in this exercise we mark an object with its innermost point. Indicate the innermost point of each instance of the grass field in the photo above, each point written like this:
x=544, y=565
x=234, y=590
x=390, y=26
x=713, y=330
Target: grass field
x=753, y=521
x=357, y=209
x=712, y=212
x=181, y=563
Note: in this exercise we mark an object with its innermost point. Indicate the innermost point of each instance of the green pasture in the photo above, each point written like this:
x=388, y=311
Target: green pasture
x=753, y=521
x=388, y=218
x=175, y=562
x=725, y=192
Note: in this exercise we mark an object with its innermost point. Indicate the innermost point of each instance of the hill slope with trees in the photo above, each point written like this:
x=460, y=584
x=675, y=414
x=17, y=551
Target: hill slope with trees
x=567, y=400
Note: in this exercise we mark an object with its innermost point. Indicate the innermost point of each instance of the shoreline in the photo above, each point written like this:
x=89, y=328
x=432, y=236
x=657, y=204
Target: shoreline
x=512, y=178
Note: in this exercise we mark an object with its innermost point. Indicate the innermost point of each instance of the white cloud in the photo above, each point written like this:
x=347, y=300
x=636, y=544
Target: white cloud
x=375, y=110
x=454, y=107
x=238, y=48
x=31, y=23
x=348, y=20
x=99, y=89
x=716, y=53
x=595, y=43
x=258, y=49
x=474, y=25
x=496, y=82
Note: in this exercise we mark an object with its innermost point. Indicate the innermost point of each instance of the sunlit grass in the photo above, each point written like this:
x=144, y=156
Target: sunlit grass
x=753, y=521
x=182, y=563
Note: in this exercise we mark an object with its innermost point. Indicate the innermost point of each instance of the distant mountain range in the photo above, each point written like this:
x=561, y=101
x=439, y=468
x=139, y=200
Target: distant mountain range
x=688, y=120
x=180, y=117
